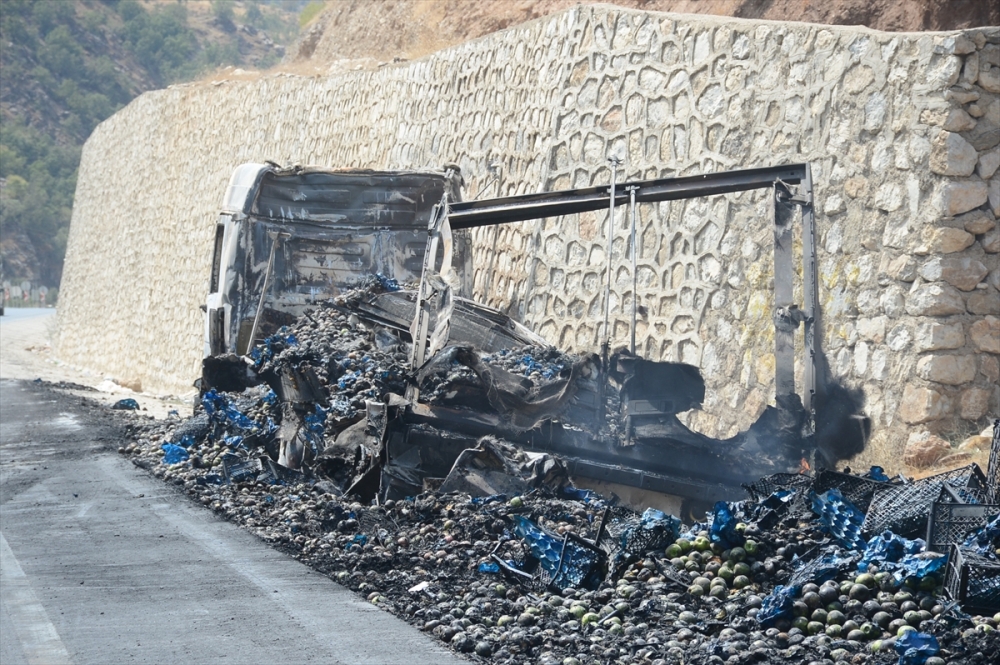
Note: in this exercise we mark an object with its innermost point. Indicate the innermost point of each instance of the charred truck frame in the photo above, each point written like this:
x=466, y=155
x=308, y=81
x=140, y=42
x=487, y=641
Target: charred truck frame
x=417, y=216
x=303, y=233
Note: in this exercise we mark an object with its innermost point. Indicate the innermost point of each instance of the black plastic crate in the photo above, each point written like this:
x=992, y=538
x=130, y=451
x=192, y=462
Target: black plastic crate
x=950, y=521
x=973, y=580
x=238, y=470
x=904, y=509
x=856, y=489
x=797, y=483
x=768, y=485
x=993, y=470
x=977, y=483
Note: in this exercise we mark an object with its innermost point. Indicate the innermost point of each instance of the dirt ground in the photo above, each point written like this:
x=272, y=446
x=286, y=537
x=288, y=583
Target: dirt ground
x=357, y=29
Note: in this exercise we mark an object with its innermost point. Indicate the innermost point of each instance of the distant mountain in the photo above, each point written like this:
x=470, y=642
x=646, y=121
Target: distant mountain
x=67, y=65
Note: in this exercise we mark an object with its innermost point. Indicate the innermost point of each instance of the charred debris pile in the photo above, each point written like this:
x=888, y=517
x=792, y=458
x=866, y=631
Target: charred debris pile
x=427, y=494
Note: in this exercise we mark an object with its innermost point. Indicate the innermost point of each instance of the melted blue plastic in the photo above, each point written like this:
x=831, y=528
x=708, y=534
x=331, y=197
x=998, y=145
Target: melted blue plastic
x=387, y=283
x=915, y=648
x=173, y=454
x=723, y=529
x=576, y=563
x=986, y=540
x=839, y=518
x=221, y=410
x=267, y=349
x=877, y=473
x=777, y=605
x=900, y=556
x=484, y=500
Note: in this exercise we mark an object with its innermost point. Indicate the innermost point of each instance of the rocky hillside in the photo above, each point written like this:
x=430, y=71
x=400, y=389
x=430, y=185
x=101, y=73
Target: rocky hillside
x=66, y=66
x=356, y=29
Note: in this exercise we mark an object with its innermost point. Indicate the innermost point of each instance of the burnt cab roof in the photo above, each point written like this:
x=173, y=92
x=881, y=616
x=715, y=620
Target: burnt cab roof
x=363, y=198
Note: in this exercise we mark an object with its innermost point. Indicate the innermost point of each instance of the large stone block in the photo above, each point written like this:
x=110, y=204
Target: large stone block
x=970, y=70
x=959, y=95
x=952, y=155
x=934, y=299
x=879, y=364
x=944, y=73
x=994, y=279
x=990, y=52
x=962, y=273
x=989, y=367
x=899, y=232
x=934, y=336
x=833, y=205
x=861, y=76
x=985, y=334
x=856, y=187
x=923, y=405
x=893, y=302
x=986, y=134
x=903, y=268
x=962, y=196
x=889, y=197
x=989, y=79
x=952, y=370
x=872, y=329
x=977, y=221
x=861, y=358
x=945, y=240
x=954, y=45
x=989, y=161
x=991, y=242
x=974, y=403
x=959, y=120
x=898, y=338
x=983, y=301
x=924, y=449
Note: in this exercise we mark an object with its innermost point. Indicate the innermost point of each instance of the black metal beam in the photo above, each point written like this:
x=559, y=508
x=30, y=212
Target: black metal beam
x=473, y=214
x=678, y=485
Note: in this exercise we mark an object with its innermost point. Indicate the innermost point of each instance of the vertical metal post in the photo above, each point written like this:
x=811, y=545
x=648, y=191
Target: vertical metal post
x=810, y=294
x=421, y=316
x=495, y=169
x=263, y=293
x=784, y=331
x=606, y=343
x=635, y=259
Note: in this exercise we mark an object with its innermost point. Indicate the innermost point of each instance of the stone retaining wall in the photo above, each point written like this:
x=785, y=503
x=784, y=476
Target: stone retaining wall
x=901, y=131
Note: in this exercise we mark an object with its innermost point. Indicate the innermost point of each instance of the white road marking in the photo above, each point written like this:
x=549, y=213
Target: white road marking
x=38, y=637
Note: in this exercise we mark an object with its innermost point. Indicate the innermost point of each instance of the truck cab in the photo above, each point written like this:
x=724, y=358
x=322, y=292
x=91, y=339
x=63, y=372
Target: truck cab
x=288, y=238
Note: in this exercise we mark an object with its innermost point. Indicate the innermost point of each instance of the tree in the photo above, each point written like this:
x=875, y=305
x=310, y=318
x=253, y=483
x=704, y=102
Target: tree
x=223, y=10
x=69, y=64
x=253, y=15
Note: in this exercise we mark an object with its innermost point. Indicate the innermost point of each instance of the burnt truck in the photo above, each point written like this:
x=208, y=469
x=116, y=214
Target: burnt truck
x=289, y=239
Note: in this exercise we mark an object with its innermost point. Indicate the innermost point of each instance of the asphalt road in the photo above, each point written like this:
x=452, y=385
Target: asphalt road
x=101, y=563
